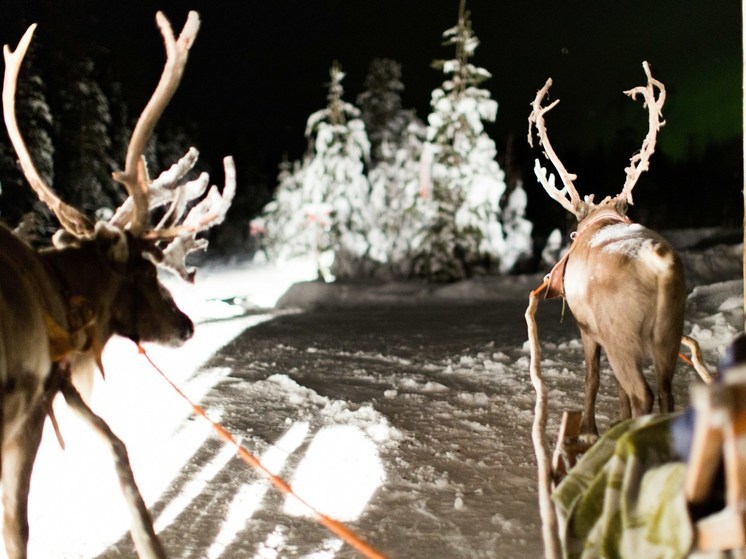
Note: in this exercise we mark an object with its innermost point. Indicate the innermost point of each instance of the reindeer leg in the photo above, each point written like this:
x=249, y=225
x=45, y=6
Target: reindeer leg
x=18, y=457
x=592, y=366
x=665, y=359
x=667, y=342
x=627, y=368
x=625, y=406
x=146, y=542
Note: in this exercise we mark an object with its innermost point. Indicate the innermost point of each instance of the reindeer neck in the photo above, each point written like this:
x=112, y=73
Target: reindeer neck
x=69, y=269
x=82, y=281
x=600, y=217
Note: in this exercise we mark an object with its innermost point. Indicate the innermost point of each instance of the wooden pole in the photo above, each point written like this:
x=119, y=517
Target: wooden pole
x=549, y=523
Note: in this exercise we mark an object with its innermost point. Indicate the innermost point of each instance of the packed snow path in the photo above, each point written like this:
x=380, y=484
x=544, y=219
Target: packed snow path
x=411, y=422
x=437, y=391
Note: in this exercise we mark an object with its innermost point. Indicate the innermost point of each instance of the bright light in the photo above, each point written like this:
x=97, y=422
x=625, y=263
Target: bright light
x=338, y=475
x=216, y=287
x=76, y=508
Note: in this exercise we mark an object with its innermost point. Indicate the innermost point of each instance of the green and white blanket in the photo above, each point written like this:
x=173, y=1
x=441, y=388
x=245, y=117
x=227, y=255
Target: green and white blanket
x=625, y=498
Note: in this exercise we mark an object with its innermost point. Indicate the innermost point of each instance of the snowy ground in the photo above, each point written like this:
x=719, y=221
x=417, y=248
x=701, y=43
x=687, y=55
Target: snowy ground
x=401, y=409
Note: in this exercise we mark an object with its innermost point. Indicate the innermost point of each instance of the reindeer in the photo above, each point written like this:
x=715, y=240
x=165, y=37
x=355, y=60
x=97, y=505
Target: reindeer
x=61, y=305
x=623, y=282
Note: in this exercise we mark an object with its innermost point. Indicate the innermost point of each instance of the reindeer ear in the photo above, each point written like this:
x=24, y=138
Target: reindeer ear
x=581, y=210
x=111, y=242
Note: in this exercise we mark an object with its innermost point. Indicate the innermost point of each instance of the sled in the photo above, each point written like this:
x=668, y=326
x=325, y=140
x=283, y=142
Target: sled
x=569, y=447
x=719, y=438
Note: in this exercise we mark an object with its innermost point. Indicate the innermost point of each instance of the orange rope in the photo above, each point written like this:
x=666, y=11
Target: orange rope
x=334, y=526
x=541, y=288
x=686, y=360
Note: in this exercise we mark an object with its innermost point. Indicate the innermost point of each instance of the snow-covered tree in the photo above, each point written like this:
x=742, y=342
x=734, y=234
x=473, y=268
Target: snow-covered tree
x=518, y=229
x=386, y=123
x=396, y=137
x=286, y=227
x=398, y=205
x=322, y=204
x=466, y=183
x=335, y=185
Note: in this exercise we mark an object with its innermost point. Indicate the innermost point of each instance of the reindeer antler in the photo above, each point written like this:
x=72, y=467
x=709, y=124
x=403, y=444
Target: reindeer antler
x=166, y=189
x=568, y=197
x=209, y=212
x=134, y=177
x=182, y=233
x=70, y=218
x=640, y=162
x=144, y=196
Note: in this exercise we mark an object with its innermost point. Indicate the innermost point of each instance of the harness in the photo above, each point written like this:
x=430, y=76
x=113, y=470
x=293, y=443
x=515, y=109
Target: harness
x=555, y=279
x=79, y=336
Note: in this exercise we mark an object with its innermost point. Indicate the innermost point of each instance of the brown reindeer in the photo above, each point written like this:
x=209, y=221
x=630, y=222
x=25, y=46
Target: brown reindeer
x=623, y=282
x=60, y=306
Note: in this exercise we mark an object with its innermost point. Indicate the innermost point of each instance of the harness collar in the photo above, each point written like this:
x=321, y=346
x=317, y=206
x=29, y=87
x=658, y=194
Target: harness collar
x=555, y=279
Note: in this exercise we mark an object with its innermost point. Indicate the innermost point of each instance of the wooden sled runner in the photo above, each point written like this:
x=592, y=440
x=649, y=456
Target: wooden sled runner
x=569, y=447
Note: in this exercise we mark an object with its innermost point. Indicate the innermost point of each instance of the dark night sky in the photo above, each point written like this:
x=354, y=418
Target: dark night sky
x=258, y=68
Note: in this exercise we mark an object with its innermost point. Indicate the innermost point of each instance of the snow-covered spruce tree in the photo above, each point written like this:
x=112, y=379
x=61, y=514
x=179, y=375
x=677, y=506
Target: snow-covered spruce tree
x=396, y=137
x=334, y=181
x=381, y=110
x=398, y=206
x=466, y=183
x=518, y=229
x=288, y=225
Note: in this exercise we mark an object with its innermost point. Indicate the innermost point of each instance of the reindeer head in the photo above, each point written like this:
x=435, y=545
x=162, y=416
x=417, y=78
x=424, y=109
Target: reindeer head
x=568, y=197
x=126, y=296
x=112, y=265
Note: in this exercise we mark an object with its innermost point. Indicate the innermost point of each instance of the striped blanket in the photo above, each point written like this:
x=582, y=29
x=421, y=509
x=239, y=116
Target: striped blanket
x=625, y=497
